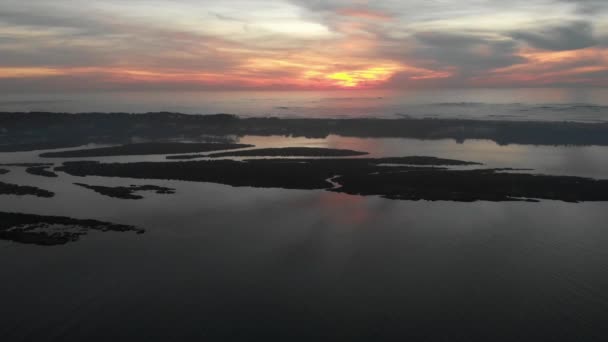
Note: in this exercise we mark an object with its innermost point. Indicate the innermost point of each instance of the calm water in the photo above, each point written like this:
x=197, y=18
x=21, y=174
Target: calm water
x=219, y=263
x=587, y=105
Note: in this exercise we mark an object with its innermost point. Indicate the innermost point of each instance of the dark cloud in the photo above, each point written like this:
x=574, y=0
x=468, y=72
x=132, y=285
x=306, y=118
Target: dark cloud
x=66, y=40
x=40, y=56
x=77, y=24
x=588, y=6
x=321, y=5
x=570, y=36
x=468, y=54
x=452, y=59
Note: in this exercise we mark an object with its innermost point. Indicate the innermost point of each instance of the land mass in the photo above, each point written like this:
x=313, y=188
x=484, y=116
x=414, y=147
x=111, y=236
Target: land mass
x=23, y=190
x=27, y=164
x=279, y=152
x=41, y=171
x=35, y=131
x=4, y=171
x=144, y=149
x=40, y=145
x=400, y=180
x=52, y=230
x=124, y=192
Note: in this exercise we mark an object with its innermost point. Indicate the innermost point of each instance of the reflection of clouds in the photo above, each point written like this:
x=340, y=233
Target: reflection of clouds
x=375, y=147
x=372, y=146
x=278, y=141
x=337, y=208
x=345, y=209
x=559, y=160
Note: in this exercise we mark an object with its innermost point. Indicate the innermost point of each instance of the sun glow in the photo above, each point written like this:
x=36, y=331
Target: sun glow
x=300, y=45
x=358, y=78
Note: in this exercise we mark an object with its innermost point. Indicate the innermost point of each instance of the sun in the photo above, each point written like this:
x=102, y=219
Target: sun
x=344, y=79
x=363, y=77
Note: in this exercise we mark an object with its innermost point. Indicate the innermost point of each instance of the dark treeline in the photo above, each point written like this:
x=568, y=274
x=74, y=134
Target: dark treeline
x=32, y=131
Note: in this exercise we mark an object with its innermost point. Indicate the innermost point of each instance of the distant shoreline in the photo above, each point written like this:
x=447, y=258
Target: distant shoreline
x=28, y=131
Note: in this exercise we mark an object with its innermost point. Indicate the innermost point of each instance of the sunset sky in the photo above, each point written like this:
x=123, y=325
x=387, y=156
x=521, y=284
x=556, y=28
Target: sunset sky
x=301, y=44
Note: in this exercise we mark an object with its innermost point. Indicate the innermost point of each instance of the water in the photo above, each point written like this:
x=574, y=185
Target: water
x=585, y=105
x=219, y=263
x=230, y=264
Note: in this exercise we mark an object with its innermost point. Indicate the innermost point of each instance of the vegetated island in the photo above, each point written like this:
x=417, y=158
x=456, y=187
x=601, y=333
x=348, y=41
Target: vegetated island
x=41, y=145
x=266, y=173
x=145, y=149
x=28, y=165
x=40, y=130
x=52, y=230
x=42, y=171
x=23, y=190
x=124, y=192
x=279, y=152
x=4, y=171
x=364, y=177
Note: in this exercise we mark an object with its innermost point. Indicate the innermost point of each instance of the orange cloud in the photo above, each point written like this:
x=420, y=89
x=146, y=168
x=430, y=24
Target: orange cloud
x=338, y=68
x=366, y=14
x=552, y=67
x=27, y=72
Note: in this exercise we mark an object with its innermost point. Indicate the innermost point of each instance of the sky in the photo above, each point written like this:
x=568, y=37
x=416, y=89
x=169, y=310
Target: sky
x=301, y=44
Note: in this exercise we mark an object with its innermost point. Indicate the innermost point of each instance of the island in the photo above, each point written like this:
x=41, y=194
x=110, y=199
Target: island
x=144, y=149
x=41, y=171
x=279, y=152
x=52, y=230
x=392, y=178
x=24, y=190
x=124, y=192
x=28, y=165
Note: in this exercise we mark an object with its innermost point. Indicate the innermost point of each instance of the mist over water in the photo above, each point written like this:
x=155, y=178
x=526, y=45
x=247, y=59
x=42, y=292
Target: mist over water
x=560, y=104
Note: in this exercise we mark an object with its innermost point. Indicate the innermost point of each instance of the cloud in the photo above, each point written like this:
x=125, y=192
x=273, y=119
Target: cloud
x=468, y=54
x=294, y=43
x=365, y=14
x=569, y=36
x=589, y=7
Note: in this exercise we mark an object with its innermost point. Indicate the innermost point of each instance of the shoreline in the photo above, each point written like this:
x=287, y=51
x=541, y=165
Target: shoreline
x=37, y=130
